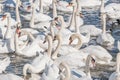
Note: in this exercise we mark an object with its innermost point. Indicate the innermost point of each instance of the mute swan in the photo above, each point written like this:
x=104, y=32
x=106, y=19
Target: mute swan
x=76, y=21
x=43, y=17
x=66, y=33
x=4, y=64
x=116, y=75
x=95, y=51
x=51, y=72
x=104, y=39
x=102, y=56
x=38, y=64
x=29, y=50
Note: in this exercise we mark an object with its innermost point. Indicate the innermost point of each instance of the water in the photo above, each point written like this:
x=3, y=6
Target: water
x=91, y=16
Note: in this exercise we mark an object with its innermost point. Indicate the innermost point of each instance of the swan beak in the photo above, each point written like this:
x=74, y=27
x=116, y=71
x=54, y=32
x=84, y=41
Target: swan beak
x=81, y=15
x=28, y=8
x=93, y=62
x=3, y=17
x=18, y=32
x=70, y=41
x=44, y=42
x=54, y=38
x=70, y=4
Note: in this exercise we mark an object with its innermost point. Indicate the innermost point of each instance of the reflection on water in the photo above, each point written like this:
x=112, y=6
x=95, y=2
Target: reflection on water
x=91, y=16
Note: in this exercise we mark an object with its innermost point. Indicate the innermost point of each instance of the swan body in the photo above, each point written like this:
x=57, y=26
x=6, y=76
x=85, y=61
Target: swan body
x=116, y=75
x=51, y=72
x=113, y=10
x=10, y=76
x=101, y=54
x=4, y=64
x=91, y=29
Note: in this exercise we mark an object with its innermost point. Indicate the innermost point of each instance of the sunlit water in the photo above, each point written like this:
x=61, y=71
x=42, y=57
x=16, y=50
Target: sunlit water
x=91, y=16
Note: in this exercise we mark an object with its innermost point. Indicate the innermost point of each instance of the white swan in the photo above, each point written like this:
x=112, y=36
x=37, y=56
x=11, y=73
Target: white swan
x=75, y=20
x=43, y=17
x=51, y=72
x=94, y=50
x=4, y=64
x=65, y=32
x=38, y=64
x=102, y=56
x=116, y=75
x=104, y=39
x=29, y=49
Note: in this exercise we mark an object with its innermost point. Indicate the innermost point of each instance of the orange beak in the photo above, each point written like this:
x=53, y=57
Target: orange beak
x=18, y=32
x=44, y=42
x=81, y=15
x=28, y=8
x=70, y=41
x=3, y=17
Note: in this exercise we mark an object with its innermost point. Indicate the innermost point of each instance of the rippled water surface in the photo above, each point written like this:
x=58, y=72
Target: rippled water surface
x=91, y=16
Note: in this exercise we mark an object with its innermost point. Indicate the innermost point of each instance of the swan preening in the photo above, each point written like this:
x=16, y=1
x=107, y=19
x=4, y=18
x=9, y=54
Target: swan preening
x=57, y=41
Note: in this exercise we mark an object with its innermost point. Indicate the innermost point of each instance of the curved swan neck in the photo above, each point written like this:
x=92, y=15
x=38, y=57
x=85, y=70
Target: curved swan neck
x=32, y=17
x=62, y=24
x=27, y=67
x=52, y=30
x=41, y=6
x=79, y=44
x=54, y=56
x=68, y=72
x=87, y=68
x=16, y=43
x=17, y=12
x=118, y=63
x=49, y=46
x=54, y=8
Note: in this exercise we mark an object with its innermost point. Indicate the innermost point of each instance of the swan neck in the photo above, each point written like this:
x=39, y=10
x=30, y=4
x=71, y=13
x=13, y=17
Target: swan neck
x=17, y=12
x=72, y=18
x=103, y=21
x=87, y=68
x=68, y=72
x=32, y=17
x=79, y=44
x=102, y=8
x=62, y=25
x=16, y=43
x=118, y=63
x=52, y=31
x=40, y=6
x=49, y=46
x=54, y=9
x=57, y=48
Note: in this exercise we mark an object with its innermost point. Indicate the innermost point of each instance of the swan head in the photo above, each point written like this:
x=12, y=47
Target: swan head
x=57, y=37
x=72, y=37
x=18, y=31
x=72, y=3
x=5, y=16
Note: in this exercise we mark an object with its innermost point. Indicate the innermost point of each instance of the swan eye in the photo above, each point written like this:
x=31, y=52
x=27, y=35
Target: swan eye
x=56, y=19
